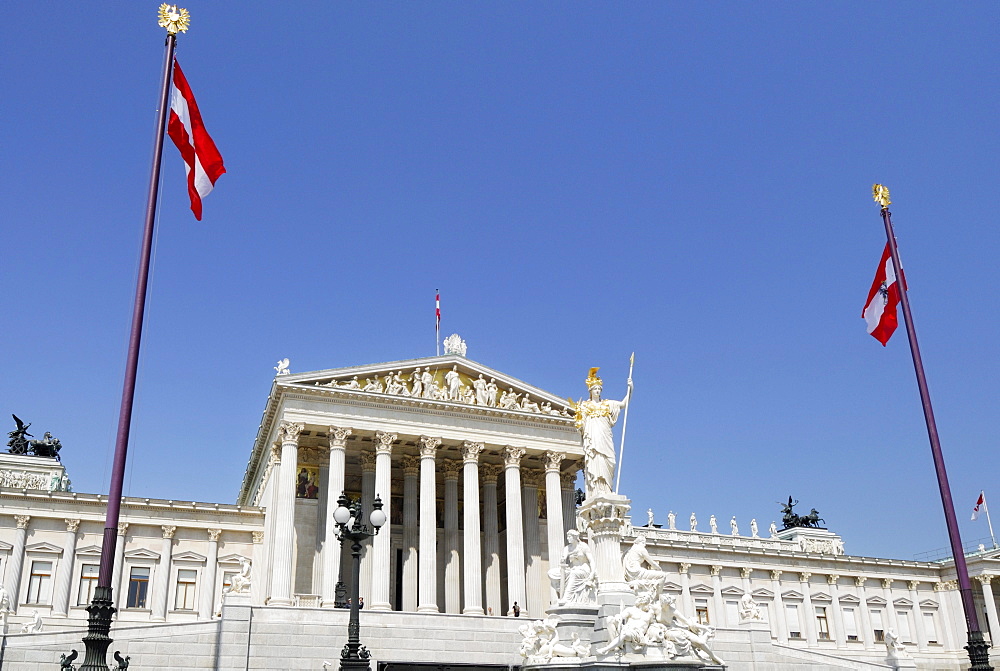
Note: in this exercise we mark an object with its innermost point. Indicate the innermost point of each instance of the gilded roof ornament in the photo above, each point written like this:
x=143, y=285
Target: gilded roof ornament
x=175, y=19
x=881, y=195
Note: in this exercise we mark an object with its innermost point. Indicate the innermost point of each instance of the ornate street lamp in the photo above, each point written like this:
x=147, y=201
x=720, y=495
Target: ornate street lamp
x=354, y=656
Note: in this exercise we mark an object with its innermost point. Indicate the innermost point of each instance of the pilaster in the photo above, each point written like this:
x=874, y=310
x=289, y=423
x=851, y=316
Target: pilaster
x=867, y=635
x=15, y=564
x=60, y=597
x=781, y=624
x=918, y=618
x=809, y=621
x=839, y=635
x=162, y=587
x=991, y=607
x=116, y=574
x=206, y=596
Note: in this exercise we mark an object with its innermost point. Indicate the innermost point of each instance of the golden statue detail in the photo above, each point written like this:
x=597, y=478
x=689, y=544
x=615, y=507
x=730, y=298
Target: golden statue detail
x=175, y=19
x=881, y=195
x=594, y=419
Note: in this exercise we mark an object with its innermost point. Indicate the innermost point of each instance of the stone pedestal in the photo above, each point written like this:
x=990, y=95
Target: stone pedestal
x=900, y=662
x=810, y=539
x=575, y=619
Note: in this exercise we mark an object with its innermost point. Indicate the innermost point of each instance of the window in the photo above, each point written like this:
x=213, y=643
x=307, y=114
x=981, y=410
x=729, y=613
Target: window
x=929, y=628
x=138, y=584
x=184, y=599
x=701, y=611
x=40, y=583
x=903, y=619
x=850, y=624
x=822, y=625
x=877, y=628
x=732, y=612
x=88, y=581
x=792, y=618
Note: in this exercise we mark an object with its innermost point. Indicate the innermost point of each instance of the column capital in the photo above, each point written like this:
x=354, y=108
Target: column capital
x=411, y=465
x=22, y=521
x=168, y=531
x=567, y=481
x=716, y=569
x=428, y=446
x=912, y=584
x=553, y=460
x=984, y=578
x=72, y=525
x=213, y=535
x=288, y=432
x=122, y=528
x=368, y=462
x=383, y=442
x=942, y=586
x=471, y=450
x=490, y=473
x=804, y=576
x=832, y=579
x=258, y=537
x=859, y=580
x=338, y=436
x=776, y=575
x=746, y=571
x=531, y=477
x=512, y=456
x=451, y=469
x=887, y=583
x=683, y=567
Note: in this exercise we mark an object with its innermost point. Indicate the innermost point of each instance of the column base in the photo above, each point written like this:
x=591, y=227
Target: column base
x=473, y=611
x=280, y=602
x=432, y=608
x=380, y=606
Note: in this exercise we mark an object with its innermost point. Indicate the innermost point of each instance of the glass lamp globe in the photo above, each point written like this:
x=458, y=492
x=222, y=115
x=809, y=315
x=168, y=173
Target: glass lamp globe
x=341, y=515
x=377, y=518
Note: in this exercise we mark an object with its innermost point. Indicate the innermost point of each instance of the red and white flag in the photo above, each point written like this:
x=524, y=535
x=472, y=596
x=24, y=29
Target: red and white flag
x=979, y=504
x=880, y=309
x=202, y=160
x=437, y=308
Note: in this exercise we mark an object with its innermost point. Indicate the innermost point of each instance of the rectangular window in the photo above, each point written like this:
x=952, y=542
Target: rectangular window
x=88, y=581
x=184, y=599
x=138, y=584
x=40, y=583
x=822, y=625
x=877, y=628
x=732, y=612
x=850, y=624
x=903, y=618
x=792, y=620
x=701, y=611
x=929, y=628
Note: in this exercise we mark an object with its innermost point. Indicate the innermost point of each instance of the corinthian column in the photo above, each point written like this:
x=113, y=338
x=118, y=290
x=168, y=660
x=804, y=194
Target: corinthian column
x=367, y=499
x=162, y=586
x=381, y=544
x=531, y=479
x=452, y=562
x=207, y=596
x=866, y=617
x=428, y=526
x=779, y=609
x=334, y=488
x=284, y=514
x=991, y=609
x=116, y=575
x=568, y=483
x=515, y=529
x=839, y=633
x=717, y=605
x=472, y=548
x=411, y=508
x=890, y=608
x=491, y=537
x=16, y=561
x=554, y=507
x=60, y=601
x=809, y=621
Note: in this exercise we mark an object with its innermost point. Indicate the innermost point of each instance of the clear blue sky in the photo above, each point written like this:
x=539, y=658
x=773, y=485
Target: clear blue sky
x=687, y=180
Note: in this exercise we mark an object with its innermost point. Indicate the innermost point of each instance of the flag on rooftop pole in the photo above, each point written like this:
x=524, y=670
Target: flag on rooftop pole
x=979, y=504
x=880, y=309
x=437, y=322
x=202, y=160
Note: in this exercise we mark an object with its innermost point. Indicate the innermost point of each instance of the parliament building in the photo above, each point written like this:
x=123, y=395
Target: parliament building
x=477, y=473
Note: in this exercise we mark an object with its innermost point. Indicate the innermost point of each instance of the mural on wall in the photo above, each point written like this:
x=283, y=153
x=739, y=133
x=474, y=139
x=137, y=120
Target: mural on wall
x=307, y=484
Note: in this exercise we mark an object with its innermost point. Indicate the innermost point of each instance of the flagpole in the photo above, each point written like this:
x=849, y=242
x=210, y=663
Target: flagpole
x=102, y=609
x=437, y=322
x=977, y=647
x=621, y=452
x=986, y=508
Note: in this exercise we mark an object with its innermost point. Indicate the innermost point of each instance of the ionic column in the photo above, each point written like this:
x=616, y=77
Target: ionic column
x=206, y=597
x=452, y=561
x=116, y=575
x=381, y=544
x=515, y=528
x=889, y=607
x=411, y=509
x=866, y=617
x=991, y=609
x=367, y=500
x=491, y=537
x=162, y=587
x=568, y=482
x=283, y=547
x=60, y=599
x=839, y=635
x=471, y=542
x=944, y=623
x=918, y=618
x=780, y=624
x=810, y=615
x=334, y=488
x=717, y=603
x=531, y=479
x=16, y=562
x=555, y=532
x=427, y=584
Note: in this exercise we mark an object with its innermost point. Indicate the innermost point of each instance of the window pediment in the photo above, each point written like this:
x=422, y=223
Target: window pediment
x=47, y=548
x=142, y=553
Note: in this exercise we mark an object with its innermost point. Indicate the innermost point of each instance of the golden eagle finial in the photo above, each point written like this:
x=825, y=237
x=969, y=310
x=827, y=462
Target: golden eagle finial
x=881, y=195
x=175, y=19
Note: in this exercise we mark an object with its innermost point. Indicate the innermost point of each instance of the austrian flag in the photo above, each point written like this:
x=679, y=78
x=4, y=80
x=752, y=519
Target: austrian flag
x=202, y=160
x=880, y=310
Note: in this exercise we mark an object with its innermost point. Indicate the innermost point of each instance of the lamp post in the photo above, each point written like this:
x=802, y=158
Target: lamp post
x=354, y=656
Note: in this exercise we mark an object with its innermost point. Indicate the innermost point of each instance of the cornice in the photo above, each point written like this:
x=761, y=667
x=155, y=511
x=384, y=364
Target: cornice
x=131, y=506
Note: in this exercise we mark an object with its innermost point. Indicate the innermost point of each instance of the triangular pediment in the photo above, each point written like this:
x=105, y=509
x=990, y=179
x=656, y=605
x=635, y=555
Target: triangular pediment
x=394, y=381
x=929, y=603
x=906, y=603
x=702, y=589
x=762, y=593
x=189, y=556
x=850, y=599
x=821, y=596
x=89, y=551
x=232, y=559
x=44, y=547
x=791, y=594
x=732, y=591
x=142, y=553
x=875, y=601
x=5, y=547
x=672, y=587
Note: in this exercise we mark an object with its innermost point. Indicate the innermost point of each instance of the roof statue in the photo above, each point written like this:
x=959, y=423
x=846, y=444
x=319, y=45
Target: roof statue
x=791, y=519
x=19, y=443
x=454, y=344
x=282, y=367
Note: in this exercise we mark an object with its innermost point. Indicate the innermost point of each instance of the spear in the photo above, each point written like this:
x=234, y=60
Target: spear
x=621, y=452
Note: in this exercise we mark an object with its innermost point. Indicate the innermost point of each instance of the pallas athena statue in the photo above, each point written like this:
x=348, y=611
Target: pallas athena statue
x=594, y=418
